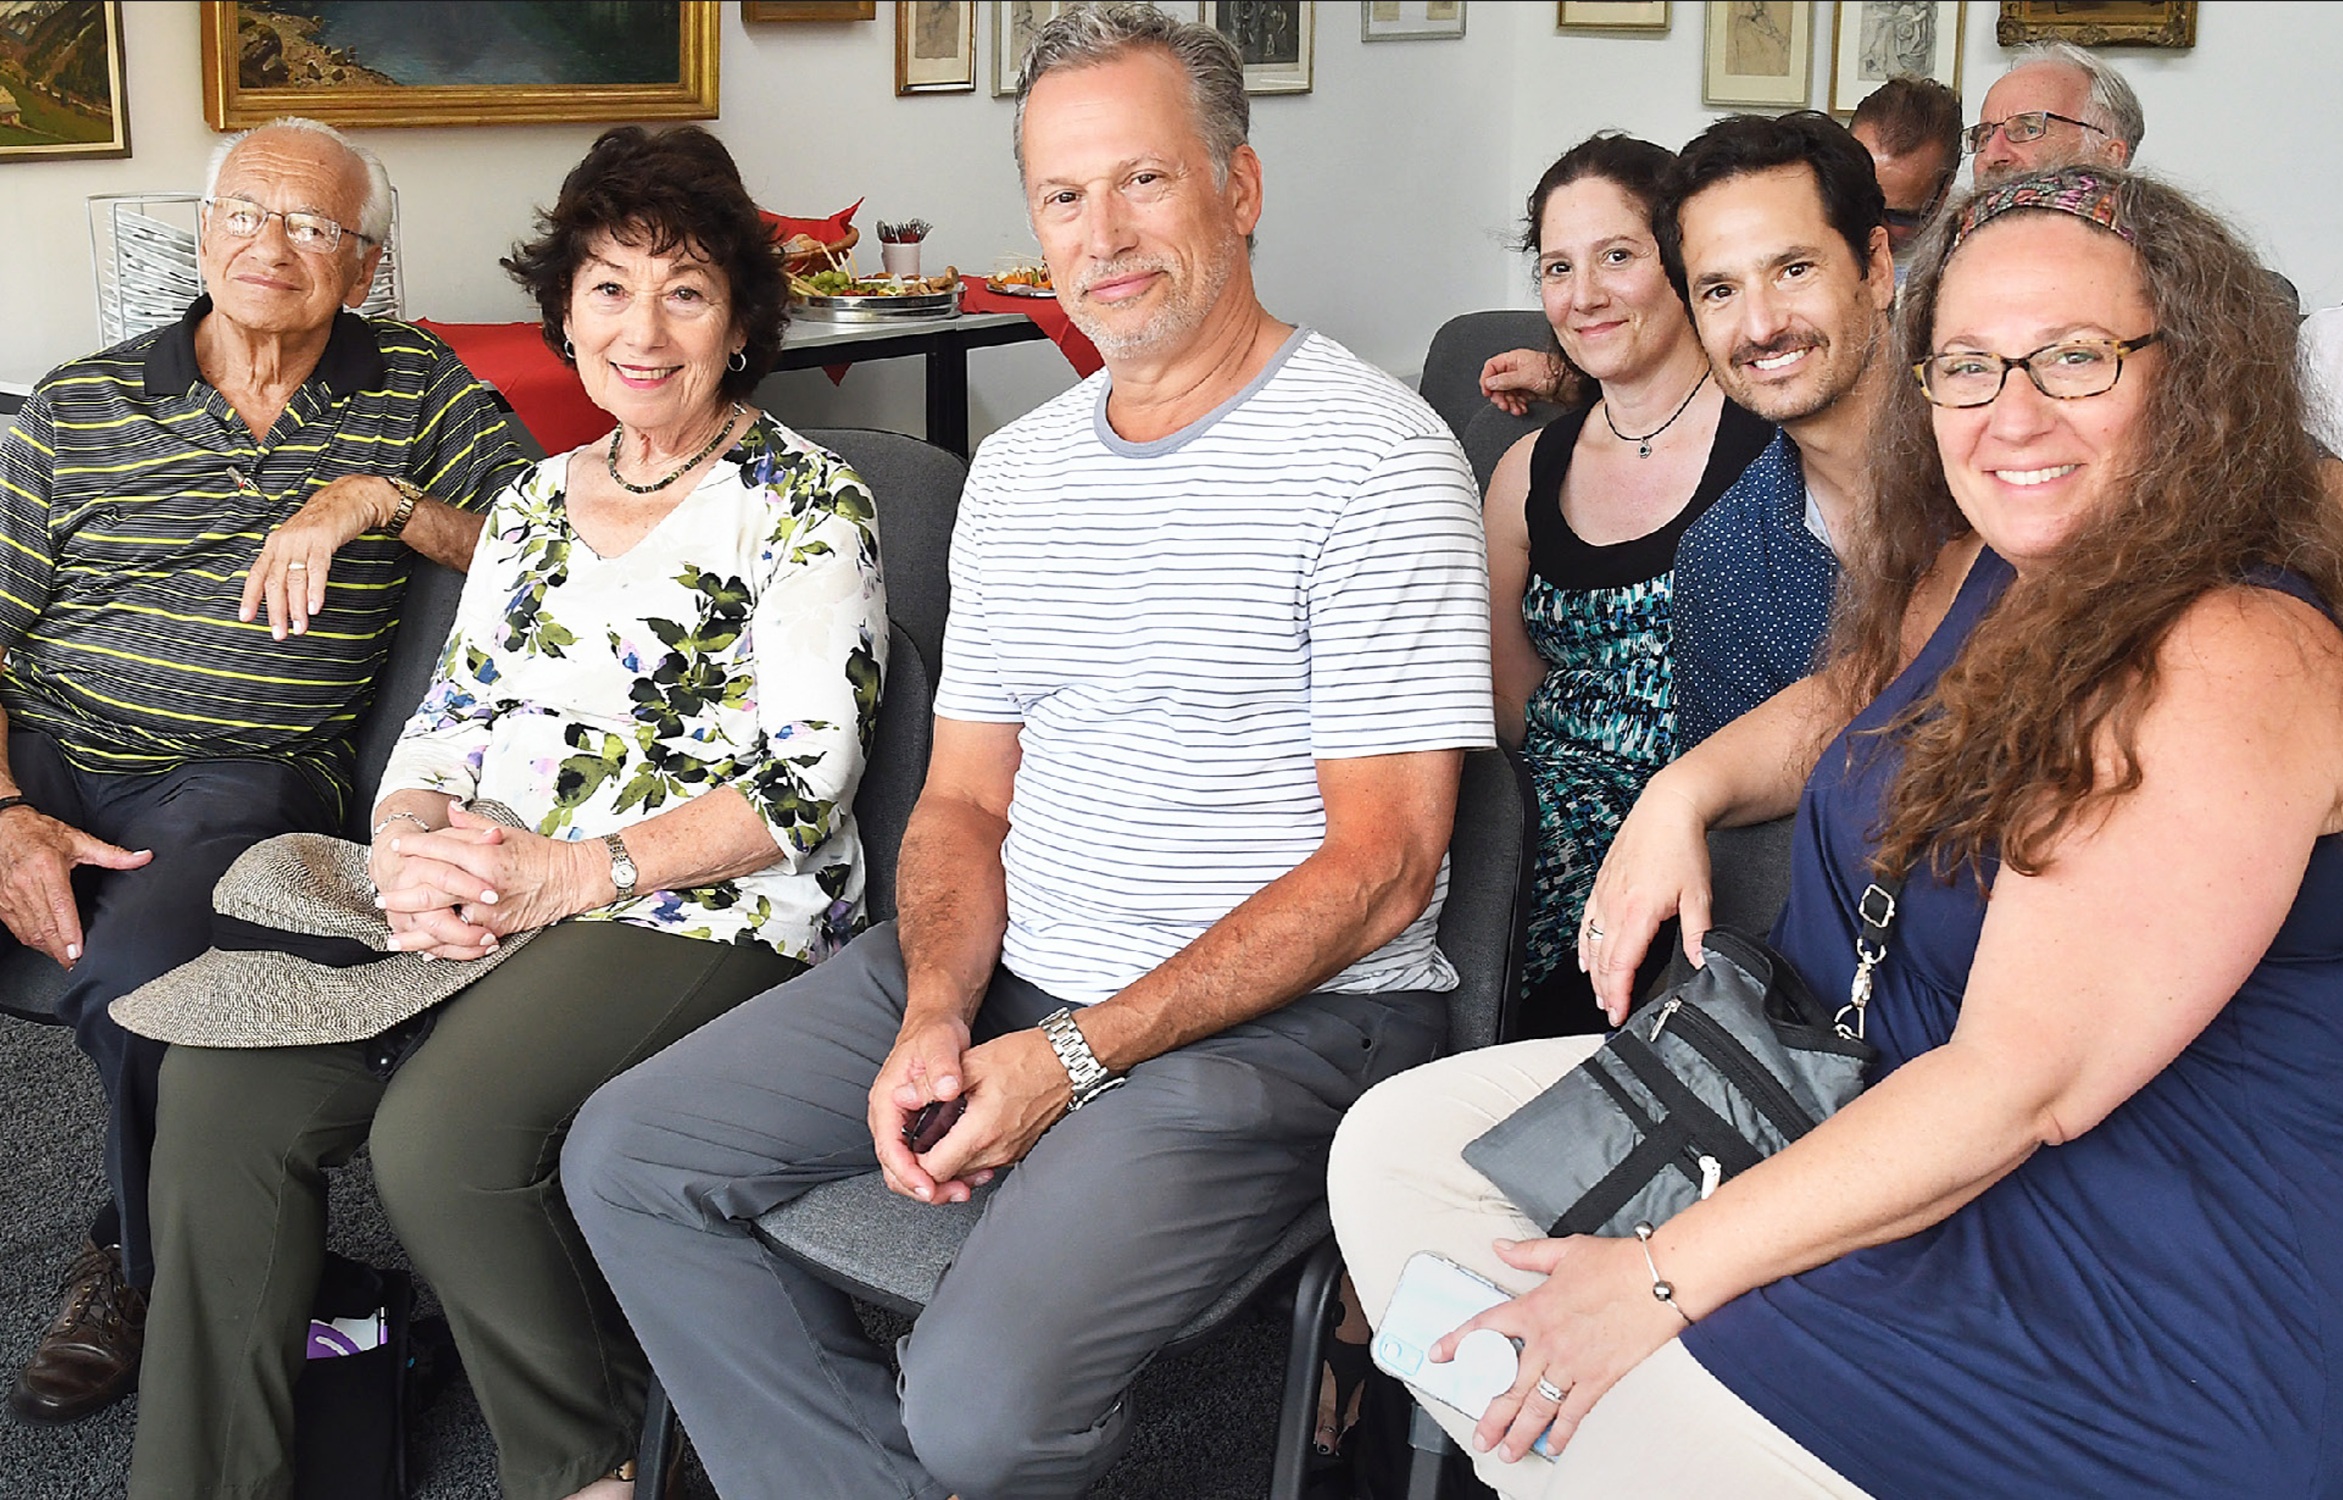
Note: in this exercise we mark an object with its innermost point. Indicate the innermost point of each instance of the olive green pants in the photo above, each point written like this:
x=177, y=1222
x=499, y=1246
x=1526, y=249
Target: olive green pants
x=466, y=1141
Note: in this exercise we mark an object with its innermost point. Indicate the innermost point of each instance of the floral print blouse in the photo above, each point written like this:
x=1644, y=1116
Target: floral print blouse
x=740, y=643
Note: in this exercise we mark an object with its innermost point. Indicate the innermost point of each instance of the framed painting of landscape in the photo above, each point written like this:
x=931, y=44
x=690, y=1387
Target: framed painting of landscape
x=457, y=62
x=61, y=93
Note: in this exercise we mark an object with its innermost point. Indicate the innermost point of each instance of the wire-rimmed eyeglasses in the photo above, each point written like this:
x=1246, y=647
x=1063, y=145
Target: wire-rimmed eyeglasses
x=314, y=234
x=2068, y=370
x=2027, y=125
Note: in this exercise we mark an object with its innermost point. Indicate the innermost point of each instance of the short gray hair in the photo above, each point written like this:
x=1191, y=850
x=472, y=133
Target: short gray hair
x=374, y=217
x=2113, y=107
x=1093, y=34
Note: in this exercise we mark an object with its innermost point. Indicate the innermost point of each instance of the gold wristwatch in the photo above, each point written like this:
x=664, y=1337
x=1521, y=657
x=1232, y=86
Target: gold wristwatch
x=409, y=493
x=622, y=865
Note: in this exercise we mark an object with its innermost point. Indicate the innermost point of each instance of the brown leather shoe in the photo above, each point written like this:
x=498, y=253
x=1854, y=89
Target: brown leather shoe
x=88, y=1360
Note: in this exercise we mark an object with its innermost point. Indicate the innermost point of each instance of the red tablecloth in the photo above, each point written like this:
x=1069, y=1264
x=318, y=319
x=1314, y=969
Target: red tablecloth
x=544, y=392
x=1044, y=311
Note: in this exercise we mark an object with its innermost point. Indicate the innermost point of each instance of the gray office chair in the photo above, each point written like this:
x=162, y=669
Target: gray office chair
x=892, y=1252
x=1451, y=382
x=917, y=487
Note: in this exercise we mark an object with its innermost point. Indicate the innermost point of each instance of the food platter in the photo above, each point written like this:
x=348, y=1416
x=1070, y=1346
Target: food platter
x=878, y=299
x=1012, y=289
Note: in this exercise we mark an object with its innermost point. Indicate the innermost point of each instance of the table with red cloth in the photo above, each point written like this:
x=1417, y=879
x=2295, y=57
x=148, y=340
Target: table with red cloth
x=545, y=394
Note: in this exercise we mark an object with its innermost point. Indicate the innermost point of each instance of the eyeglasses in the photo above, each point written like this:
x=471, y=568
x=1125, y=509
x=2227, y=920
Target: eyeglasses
x=2068, y=371
x=312, y=234
x=2018, y=129
x=1917, y=218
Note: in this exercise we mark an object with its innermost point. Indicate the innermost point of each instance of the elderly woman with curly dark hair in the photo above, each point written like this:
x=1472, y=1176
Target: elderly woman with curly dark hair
x=666, y=665
x=2083, y=1233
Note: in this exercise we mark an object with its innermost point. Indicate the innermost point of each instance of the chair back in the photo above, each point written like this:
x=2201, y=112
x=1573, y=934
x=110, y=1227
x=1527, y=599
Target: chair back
x=1481, y=925
x=897, y=767
x=426, y=615
x=1451, y=381
x=916, y=486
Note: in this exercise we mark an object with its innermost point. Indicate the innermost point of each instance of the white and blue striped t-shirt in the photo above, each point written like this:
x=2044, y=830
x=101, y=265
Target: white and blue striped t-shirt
x=1184, y=627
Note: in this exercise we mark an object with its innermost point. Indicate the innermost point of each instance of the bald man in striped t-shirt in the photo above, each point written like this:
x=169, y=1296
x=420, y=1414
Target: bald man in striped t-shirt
x=1218, y=641
x=205, y=534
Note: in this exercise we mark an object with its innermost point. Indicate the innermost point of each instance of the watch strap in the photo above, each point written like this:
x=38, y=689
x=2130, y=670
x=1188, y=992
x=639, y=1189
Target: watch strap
x=622, y=866
x=1084, y=1071
x=15, y=801
x=409, y=493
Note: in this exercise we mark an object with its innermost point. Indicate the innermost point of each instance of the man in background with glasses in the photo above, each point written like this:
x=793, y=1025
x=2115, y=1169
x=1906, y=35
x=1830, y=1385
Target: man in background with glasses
x=2056, y=106
x=205, y=534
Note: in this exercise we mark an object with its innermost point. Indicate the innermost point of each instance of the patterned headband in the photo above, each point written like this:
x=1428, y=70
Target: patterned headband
x=2081, y=191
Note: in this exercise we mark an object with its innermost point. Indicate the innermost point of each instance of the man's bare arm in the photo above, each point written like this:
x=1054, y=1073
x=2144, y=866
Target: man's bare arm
x=1388, y=820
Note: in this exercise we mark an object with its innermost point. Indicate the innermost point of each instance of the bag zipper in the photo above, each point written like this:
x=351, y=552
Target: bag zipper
x=1711, y=1040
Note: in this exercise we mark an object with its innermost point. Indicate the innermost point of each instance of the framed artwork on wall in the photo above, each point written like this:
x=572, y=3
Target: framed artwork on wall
x=491, y=62
x=1015, y=22
x=2112, y=23
x=1274, y=37
x=1758, y=54
x=61, y=82
x=1872, y=41
x=1611, y=15
x=935, y=46
x=809, y=10
x=1409, y=20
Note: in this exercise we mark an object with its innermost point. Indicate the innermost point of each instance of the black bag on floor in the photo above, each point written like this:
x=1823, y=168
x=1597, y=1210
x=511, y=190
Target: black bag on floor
x=350, y=1400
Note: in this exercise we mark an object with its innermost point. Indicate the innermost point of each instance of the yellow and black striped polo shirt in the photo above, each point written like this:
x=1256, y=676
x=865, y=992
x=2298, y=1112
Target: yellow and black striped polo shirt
x=133, y=502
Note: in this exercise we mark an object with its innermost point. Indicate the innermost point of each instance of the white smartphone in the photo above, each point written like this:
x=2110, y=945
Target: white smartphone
x=1435, y=1296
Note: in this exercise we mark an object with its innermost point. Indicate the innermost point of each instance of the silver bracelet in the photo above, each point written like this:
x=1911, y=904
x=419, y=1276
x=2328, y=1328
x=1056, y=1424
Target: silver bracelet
x=1662, y=1289
x=390, y=818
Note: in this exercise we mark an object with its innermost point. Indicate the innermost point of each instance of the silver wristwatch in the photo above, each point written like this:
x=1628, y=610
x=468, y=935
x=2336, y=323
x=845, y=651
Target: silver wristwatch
x=1083, y=1069
x=622, y=865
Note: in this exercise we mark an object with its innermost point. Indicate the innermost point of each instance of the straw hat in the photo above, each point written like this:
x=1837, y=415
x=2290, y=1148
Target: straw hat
x=300, y=956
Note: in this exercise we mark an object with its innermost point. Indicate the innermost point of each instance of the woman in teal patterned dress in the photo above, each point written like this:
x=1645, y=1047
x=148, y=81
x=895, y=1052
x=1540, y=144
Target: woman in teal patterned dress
x=1583, y=519
x=667, y=664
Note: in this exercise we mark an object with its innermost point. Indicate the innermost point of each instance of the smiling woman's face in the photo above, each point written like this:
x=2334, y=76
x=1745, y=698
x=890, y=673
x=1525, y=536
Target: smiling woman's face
x=651, y=334
x=2026, y=469
x=1600, y=279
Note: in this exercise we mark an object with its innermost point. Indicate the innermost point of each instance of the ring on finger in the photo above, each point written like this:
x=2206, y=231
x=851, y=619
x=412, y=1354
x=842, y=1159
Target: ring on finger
x=1594, y=933
x=1549, y=1390
x=296, y=565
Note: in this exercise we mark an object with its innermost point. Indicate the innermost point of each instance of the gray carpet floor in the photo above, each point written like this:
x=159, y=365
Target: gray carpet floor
x=1207, y=1417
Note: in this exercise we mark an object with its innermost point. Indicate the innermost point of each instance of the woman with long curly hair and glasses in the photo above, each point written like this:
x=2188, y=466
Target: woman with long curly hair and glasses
x=2083, y=1233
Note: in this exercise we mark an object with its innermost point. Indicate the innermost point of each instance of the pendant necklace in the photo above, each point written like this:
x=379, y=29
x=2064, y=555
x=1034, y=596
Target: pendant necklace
x=738, y=411
x=1643, y=444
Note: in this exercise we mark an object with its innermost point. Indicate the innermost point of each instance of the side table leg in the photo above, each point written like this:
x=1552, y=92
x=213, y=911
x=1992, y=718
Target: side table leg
x=947, y=397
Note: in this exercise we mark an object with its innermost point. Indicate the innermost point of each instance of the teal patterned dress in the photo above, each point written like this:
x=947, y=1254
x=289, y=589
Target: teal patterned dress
x=1603, y=720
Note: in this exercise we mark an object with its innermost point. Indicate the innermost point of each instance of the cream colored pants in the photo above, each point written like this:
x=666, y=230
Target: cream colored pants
x=1398, y=1184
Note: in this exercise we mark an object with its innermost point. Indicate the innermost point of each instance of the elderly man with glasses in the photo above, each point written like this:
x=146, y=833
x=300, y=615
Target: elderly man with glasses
x=207, y=532
x=2056, y=106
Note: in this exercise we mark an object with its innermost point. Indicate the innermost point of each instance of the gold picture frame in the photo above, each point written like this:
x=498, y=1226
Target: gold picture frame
x=79, y=109
x=1758, y=54
x=2115, y=23
x=240, y=89
x=935, y=47
x=1611, y=15
x=761, y=11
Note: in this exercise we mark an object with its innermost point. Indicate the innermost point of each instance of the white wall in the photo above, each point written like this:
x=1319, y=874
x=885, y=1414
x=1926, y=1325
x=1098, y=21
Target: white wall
x=2251, y=117
x=810, y=114
x=1390, y=189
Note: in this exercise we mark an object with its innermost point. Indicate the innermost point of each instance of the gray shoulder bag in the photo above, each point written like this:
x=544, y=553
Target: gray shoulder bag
x=1705, y=1080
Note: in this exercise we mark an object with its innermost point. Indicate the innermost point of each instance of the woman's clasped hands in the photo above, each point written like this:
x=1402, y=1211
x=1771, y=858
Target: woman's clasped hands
x=453, y=892
x=1587, y=1324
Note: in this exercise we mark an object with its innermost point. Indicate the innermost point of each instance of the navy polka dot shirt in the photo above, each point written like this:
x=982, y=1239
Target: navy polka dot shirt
x=1753, y=592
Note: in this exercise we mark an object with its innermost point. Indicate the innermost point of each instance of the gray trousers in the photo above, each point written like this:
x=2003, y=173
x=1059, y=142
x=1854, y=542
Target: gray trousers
x=465, y=1141
x=1124, y=1222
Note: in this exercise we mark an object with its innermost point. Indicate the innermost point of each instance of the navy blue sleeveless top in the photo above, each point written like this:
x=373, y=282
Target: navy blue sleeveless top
x=2154, y=1308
